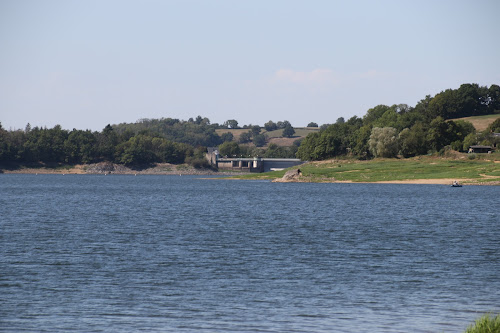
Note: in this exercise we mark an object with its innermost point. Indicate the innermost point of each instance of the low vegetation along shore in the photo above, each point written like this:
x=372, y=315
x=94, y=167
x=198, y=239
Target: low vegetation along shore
x=466, y=168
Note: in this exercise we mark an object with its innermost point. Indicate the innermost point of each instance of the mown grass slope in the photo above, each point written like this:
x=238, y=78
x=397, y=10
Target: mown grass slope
x=481, y=122
x=482, y=169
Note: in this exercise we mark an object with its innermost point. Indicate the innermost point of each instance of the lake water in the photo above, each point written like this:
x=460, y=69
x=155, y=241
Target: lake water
x=92, y=253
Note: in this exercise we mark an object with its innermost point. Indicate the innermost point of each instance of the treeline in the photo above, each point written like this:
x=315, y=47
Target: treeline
x=384, y=131
x=200, y=132
x=387, y=131
x=195, y=132
x=147, y=141
x=56, y=145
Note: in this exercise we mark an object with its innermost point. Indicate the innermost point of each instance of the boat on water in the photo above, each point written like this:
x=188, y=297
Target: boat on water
x=456, y=184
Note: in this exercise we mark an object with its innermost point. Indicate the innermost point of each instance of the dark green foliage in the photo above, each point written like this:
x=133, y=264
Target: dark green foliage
x=255, y=130
x=270, y=126
x=107, y=140
x=197, y=132
x=259, y=140
x=288, y=131
x=420, y=129
x=466, y=101
x=495, y=126
x=44, y=145
x=412, y=141
x=137, y=150
x=80, y=147
x=275, y=151
x=231, y=123
x=228, y=136
x=283, y=124
x=374, y=114
x=245, y=137
x=312, y=124
x=229, y=149
x=198, y=160
x=5, y=147
x=336, y=139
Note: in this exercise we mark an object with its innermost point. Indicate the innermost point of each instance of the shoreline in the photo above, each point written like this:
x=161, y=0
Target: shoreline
x=115, y=169
x=464, y=182
x=106, y=168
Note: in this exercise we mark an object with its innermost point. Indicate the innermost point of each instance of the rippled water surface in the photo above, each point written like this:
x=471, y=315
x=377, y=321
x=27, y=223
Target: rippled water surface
x=183, y=254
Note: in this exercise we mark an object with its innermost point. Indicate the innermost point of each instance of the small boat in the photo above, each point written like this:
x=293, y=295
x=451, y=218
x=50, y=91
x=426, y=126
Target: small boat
x=456, y=184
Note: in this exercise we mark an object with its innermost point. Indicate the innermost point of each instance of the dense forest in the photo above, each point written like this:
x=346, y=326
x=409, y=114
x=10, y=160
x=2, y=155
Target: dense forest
x=384, y=131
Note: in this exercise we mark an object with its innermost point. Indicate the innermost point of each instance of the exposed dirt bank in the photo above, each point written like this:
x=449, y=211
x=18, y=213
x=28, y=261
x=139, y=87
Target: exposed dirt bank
x=117, y=169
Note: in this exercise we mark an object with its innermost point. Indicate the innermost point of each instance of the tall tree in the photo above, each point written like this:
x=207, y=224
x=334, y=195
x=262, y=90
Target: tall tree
x=383, y=142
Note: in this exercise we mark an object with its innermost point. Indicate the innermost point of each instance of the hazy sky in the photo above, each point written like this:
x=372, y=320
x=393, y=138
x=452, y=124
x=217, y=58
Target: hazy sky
x=84, y=64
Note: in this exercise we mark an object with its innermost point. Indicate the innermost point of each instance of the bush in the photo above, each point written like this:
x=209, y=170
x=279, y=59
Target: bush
x=485, y=324
x=198, y=162
x=457, y=145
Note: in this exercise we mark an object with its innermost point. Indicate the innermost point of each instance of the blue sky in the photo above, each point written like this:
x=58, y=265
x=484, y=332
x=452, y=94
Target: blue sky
x=84, y=64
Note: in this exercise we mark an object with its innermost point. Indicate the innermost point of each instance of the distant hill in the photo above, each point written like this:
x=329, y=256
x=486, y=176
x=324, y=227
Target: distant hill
x=274, y=136
x=481, y=122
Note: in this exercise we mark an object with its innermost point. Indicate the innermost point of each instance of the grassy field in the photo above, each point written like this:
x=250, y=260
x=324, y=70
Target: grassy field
x=424, y=169
x=274, y=136
x=481, y=122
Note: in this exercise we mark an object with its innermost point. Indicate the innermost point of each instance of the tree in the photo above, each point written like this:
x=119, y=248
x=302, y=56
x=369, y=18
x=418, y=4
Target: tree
x=245, y=137
x=4, y=145
x=259, y=140
x=437, y=135
x=360, y=145
x=282, y=124
x=137, y=150
x=107, y=141
x=413, y=140
x=494, y=126
x=312, y=124
x=231, y=123
x=255, y=130
x=374, y=113
x=469, y=140
x=270, y=126
x=340, y=120
x=229, y=149
x=228, y=136
x=383, y=142
x=288, y=131
x=80, y=147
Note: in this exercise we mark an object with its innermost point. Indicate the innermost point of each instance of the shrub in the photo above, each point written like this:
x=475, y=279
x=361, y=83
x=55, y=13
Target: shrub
x=485, y=324
x=198, y=162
